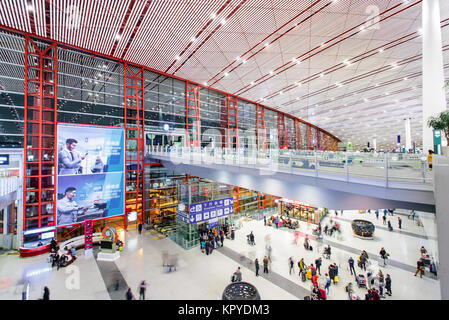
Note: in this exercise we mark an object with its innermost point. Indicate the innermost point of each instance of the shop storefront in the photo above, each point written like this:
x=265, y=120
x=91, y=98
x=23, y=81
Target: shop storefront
x=301, y=211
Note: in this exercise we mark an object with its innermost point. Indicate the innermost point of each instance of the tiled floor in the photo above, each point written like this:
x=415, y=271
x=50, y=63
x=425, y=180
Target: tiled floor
x=204, y=277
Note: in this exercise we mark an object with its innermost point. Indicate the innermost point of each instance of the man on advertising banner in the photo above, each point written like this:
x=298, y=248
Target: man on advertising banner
x=69, y=159
x=67, y=208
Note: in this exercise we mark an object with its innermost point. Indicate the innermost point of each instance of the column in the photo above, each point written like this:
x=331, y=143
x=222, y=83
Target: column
x=375, y=144
x=408, y=137
x=434, y=100
x=441, y=187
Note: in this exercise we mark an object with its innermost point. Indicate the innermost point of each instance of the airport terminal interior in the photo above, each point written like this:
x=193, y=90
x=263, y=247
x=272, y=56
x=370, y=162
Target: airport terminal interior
x=224, y=150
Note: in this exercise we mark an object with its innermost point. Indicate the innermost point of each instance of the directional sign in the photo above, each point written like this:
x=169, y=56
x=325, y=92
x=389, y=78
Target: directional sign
x=211, y=210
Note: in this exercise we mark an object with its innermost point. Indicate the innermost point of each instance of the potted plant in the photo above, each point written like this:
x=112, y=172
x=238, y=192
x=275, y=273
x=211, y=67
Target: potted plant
x=441, y=122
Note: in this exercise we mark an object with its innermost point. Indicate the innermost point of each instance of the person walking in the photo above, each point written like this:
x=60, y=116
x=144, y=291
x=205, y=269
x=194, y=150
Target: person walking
x=384, y=218
x=384, y=255
x=390, y=227
x=318, y=265
x=292, y=264
x=400, y=222
x=129, y=294
x=142, y=289
x=377, y=214
x=388, y=284
x=256, y=264
x=265, y=264
x=419, y=268
x=140, y=228
x=301, y=265
x=327, y=283
x=351, y=265
x=238, y=275
x=264, y=220
x=222, y=239
x=46, y=295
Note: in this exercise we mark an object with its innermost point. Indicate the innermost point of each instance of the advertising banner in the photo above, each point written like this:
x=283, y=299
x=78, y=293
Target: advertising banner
x=90, y=173
x=211, y=209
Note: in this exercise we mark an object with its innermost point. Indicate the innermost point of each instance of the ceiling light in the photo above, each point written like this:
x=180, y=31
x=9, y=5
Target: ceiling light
x=271, y=72
x=118, y=36
x=223, y=21
x=30, y=7
x=177, y=57
x=297, y=98
x=226, y=74
x=252, y=83
x=381, y=50
x=280, y=92
x=244, y=61
x=205, y=83
x=405, y=78
x=213, y=16
x=192, y=39
x=267, y=44
x=237, y=58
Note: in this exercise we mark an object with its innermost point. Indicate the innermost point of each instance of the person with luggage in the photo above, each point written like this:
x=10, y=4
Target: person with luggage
x=318, y=265
x=351, y=265
x=301, y=266
x=419, y=268
x=265, y=264
x=306, y=243
x=384, y=255
x=388, y=284
x=256, y=265
x=331, y=272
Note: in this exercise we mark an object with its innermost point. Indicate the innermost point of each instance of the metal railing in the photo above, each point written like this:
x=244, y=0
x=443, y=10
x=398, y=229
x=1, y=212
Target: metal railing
x=394, y=170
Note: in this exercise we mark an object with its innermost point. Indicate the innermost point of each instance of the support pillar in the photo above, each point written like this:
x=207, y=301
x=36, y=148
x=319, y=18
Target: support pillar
x=434, y=99
x=408, y=136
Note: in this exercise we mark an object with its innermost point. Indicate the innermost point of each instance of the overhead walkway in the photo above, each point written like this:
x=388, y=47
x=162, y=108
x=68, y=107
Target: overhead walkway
x=337, y=180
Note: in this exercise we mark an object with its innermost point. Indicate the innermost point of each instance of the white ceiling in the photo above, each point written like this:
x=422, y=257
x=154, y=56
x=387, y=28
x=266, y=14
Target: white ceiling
x=357, y=101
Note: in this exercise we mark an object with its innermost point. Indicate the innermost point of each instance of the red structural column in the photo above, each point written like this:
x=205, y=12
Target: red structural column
x=298, y=136
x=193, y=129
x=233, y=127
x=261, y=132
x=40, y=162
x=310, y=145
x=282, y=132
x=134, y=141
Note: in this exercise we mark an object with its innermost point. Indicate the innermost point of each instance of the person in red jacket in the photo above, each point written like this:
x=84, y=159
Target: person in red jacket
x=315, y=280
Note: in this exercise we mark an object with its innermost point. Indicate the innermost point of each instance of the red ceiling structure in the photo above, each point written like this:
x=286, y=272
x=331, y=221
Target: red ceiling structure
x=328, y=62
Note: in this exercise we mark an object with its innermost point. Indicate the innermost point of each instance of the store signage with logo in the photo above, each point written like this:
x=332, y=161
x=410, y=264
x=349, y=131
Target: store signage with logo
x=203, y=211
x=4, y=159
